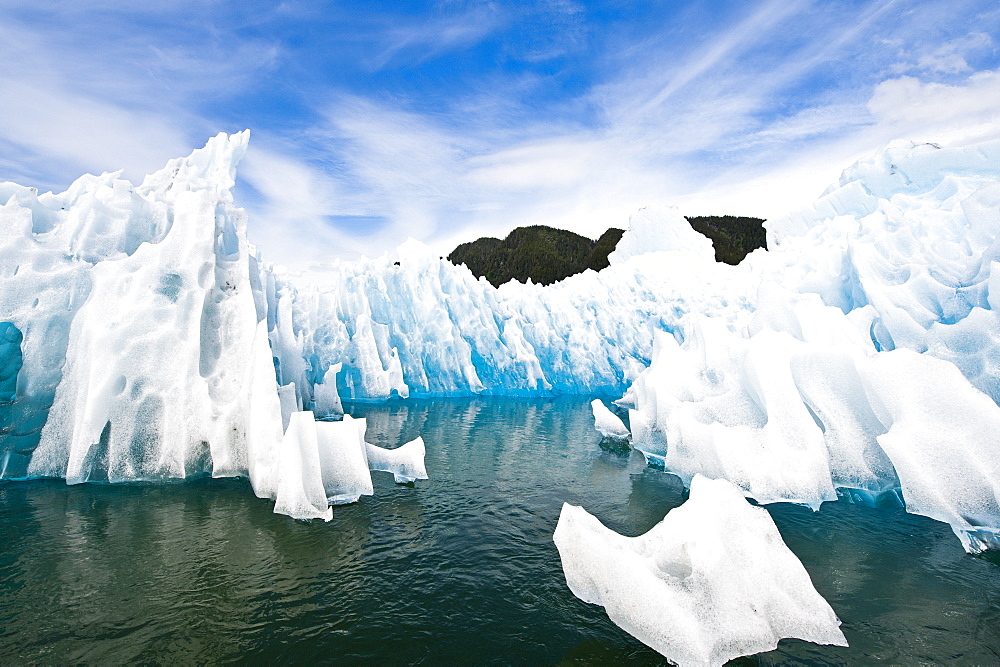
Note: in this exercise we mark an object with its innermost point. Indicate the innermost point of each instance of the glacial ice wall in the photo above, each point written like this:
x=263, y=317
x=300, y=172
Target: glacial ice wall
x=413, y=324
x=138, y=325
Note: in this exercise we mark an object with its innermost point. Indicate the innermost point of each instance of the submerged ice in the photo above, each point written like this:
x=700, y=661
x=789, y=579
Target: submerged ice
x=142, y=337
x=711, y=582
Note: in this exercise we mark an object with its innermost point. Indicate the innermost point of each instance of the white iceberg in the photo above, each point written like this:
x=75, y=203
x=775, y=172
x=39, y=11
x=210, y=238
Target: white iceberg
x=872, y=370
x=300, y=487
x=711, y=582
x=406, y=462
x=143, y=338
x=343, y=460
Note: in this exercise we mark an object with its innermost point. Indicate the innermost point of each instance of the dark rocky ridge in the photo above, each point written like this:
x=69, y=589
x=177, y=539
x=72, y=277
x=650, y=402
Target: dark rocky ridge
x=543, y=254
x=547, y=255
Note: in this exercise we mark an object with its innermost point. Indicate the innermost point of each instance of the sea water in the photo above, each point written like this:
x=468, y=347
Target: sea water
x=458, y=569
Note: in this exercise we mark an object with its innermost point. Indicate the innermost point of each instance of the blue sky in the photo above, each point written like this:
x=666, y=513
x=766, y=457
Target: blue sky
x=445, y=121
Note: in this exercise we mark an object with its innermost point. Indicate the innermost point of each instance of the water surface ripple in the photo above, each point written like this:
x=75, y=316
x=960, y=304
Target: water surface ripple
x=458, y=569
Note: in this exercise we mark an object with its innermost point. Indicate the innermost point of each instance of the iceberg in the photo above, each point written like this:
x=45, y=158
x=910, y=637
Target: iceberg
x=871, y=371
x=343, y=456
x=301, y=492
x=607, y=422
x=406, y=462
x=139, y=325
x=143, y=338
x=711, y=582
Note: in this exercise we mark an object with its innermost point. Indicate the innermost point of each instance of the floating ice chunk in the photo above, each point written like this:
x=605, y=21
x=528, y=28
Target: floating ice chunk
x=344, y=460
x=405, y=462
x=608, y=422
x=711, y=582
x=321, y=463
x=300, y=488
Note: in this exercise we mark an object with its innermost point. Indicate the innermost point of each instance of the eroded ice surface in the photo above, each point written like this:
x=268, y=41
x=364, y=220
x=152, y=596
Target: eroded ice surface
x=711, y=582
x=141, y=337
x=869, y=362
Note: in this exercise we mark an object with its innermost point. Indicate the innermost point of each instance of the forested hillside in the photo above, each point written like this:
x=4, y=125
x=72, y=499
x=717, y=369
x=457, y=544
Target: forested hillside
x=543, y=254
x=733, y=237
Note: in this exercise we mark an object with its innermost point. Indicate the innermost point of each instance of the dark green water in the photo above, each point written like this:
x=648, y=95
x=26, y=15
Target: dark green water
x=458, y=569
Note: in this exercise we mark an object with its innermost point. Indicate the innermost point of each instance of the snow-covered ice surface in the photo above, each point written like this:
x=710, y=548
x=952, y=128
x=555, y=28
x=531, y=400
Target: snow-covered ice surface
x=142, y=338
x=711, y=582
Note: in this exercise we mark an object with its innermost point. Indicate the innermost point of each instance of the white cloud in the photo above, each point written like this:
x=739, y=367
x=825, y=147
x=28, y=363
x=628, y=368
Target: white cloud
x=939, y=112
x=84, y=134
x=720, y=123
x=722, y=49
x=296, y=200
x=70, y=108
x=950, y=58
x=899, y=108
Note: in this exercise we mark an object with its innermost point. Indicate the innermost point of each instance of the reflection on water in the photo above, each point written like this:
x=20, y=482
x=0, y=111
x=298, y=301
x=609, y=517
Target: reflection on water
x=457, y=569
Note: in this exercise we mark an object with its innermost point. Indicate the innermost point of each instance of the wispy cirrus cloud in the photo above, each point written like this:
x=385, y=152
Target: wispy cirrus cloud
x=421, y=38
x=451, y=120
x=85, y=94
x=707, y=136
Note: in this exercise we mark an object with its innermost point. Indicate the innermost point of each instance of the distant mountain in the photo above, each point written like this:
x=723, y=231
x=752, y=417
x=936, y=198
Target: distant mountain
x=547, y=255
